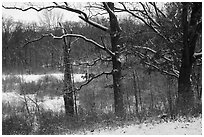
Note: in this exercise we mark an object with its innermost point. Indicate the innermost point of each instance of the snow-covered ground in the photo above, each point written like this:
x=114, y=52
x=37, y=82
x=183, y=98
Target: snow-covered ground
x=35, y=78
x=56, y=104
x=192, y=127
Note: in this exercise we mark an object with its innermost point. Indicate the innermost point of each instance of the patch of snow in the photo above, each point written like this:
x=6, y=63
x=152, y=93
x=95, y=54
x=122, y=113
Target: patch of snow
x=35, y=78
x=78, y=77
x=55, y=105
x=13, y=99
x=171, y=128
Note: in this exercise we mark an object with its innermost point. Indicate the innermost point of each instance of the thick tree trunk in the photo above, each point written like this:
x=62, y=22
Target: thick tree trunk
x=185, y=100
x=185, y=93
x=115, y=36
x=118, y=94
x=68, y=92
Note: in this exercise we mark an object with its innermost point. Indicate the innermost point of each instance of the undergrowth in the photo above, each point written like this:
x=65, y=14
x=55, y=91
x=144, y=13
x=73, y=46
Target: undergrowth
x=19, y=120
x=51, y=123
x=46, y=122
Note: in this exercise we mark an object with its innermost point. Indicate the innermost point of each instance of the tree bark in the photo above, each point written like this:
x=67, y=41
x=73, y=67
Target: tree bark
x=68, y=92
x=115, y=36
x=185, y=100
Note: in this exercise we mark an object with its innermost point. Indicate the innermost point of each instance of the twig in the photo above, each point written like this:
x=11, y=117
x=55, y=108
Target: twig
x=92, y=78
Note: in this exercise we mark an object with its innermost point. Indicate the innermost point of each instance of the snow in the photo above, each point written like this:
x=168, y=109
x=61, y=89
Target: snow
x=194, y=127
x=56, y=104
x=35, y=78
x=15, y=100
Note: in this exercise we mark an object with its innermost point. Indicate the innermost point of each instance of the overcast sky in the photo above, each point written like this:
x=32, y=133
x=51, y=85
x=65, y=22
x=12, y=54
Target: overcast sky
x=32, y=15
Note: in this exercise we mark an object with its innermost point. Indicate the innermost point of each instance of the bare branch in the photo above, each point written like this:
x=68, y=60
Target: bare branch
x=35, y=102
x=145, y=13
x=92, y=78
x=66, y=3
x=72, y=35
x=198, y=55
x=111, y=14
x=108, y=59
x=29, y=8
x=175, y=72
x=38, y=39
x=55, y=3
x=157, y=9
x=86, y=39
x=153, y=51
x=122, y=10
x=108, y=9
x=163, y=71
x=145, y=48
x=148, y=16
x=94, y=24
x=82, y=15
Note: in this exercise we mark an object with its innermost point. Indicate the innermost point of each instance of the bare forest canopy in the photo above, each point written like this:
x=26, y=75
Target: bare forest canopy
x=164, y=49
x=112, y=39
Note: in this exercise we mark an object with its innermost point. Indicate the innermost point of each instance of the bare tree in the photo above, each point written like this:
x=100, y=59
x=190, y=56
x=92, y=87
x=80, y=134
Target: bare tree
x=191, y=31
x=114, y=31
x=186, y=17
x=68, y=89
x=51, y=18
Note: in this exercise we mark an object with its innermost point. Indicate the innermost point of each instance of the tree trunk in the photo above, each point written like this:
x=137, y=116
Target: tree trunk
x=169, y=95
x=135, y=89
x=68, y=92
x=118, y=94
x=52, y=59
x=151, y=93
x=128, y=102
x=185, y=100
x=115, y=36
x=139, y=91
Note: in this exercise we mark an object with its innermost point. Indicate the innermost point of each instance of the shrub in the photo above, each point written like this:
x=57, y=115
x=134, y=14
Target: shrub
x=10, y=83
x=46, y=86
x=15, y=125
x=29, y=88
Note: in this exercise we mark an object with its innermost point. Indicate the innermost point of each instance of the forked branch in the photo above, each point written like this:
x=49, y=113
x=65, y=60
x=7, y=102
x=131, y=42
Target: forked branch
x=91, y=79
